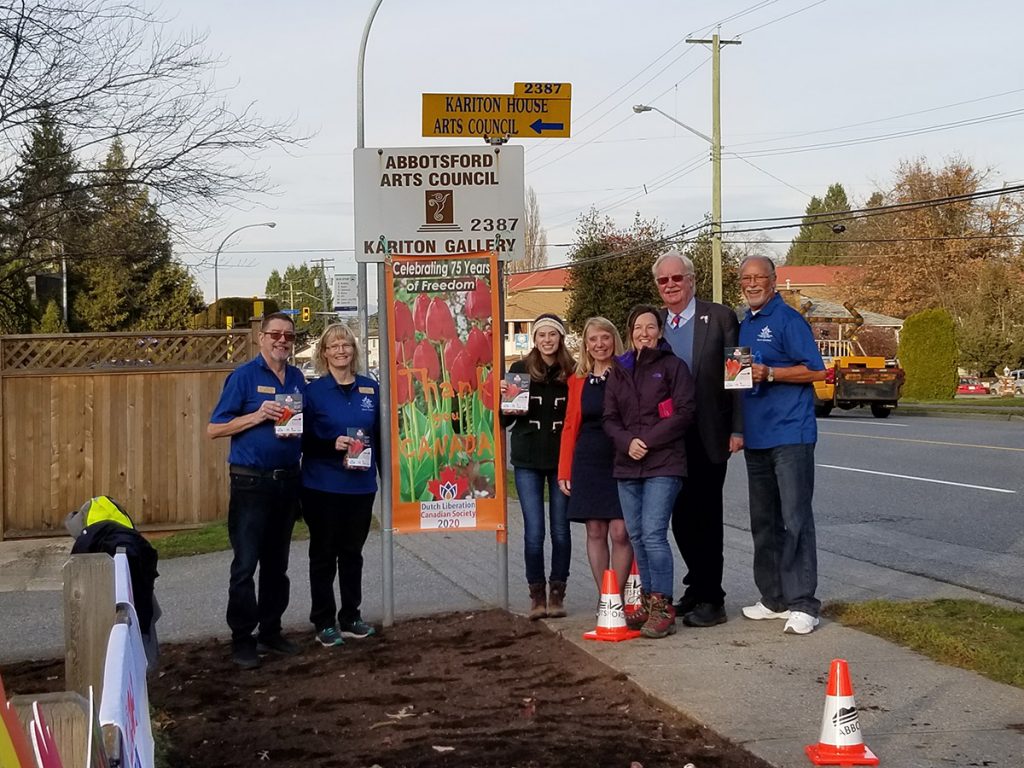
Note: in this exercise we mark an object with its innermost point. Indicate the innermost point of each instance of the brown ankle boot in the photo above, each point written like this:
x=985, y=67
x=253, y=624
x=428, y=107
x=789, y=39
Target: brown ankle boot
x=556, y=600
x=538, y=602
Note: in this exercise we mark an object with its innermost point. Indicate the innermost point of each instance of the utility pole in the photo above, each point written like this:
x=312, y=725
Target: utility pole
x=324, y=290
x=716, y=44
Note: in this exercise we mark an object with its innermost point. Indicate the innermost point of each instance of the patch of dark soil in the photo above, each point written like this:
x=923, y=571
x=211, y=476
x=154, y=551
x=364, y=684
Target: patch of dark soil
x=486, y=690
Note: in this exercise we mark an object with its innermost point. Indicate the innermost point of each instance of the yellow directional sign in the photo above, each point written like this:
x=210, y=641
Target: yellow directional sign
x=534, y=110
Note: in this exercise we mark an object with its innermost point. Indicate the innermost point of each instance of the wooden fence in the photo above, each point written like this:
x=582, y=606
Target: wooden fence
x=121, y=414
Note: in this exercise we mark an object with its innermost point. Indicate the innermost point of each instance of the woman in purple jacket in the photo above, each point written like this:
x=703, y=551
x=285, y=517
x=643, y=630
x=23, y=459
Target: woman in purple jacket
x=648, y=404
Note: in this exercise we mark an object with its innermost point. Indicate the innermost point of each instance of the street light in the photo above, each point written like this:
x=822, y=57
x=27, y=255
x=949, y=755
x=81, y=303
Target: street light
x=216, y=256
x=716, y=196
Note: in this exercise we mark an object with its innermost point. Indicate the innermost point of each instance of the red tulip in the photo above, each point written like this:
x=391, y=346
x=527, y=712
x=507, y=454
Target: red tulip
x=478, y=302
x=420, y=314
x=404, y=387
x=425, y=356
x=463, y=371
x=479, y=347
x=440, y=325
x=404, y=328
x=487, y=391
x=452, y=348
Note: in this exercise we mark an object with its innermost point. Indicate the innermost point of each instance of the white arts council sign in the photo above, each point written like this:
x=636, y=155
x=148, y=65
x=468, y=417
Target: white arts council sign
x=425, y=201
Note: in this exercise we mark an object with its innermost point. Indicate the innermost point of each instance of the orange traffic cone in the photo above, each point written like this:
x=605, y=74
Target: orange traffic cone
x=841, y=742
x=633, y=589
x=611, y=620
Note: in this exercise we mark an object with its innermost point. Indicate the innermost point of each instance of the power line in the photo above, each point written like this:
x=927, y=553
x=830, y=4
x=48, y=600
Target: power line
x=876, y=120
x=781, y=18
x=840, y=143
x=838, y=216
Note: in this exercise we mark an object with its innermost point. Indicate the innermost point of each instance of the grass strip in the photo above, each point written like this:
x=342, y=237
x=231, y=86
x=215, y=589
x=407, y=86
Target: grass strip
x=962, y=633
x=209, y=538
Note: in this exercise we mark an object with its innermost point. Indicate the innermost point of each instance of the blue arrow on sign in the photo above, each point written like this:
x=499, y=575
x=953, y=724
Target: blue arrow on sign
x=539, y=126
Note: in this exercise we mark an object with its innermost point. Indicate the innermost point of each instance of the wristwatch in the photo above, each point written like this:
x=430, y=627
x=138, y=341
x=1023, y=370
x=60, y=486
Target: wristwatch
x=771, y=375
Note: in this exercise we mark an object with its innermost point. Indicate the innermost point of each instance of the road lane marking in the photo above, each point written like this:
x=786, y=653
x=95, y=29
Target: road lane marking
x=921, y=479
x=926, y=442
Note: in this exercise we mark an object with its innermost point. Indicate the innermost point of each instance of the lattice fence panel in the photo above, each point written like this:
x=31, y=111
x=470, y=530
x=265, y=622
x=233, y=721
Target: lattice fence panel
x=125, y=350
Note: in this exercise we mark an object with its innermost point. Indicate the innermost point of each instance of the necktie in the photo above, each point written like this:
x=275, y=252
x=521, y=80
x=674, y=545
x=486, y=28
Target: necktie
x=675, y=321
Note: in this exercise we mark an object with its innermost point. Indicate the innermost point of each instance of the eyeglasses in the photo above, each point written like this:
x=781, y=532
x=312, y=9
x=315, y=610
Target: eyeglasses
x=278, y=335
x=339, y=346
x=748, y=279
x=677, y=278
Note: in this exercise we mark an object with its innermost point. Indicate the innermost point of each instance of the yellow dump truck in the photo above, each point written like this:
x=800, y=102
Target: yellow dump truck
x=853, y=379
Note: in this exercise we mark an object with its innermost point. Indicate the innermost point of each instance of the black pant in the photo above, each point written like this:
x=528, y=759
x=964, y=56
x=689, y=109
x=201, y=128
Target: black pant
x=261, y=515
x=697, y=525
x=338, y=526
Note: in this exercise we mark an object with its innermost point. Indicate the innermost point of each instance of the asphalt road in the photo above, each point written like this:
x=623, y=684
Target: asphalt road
x=937, y=497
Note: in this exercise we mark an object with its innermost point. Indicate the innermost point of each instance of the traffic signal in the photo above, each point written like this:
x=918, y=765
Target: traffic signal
x=306, y=314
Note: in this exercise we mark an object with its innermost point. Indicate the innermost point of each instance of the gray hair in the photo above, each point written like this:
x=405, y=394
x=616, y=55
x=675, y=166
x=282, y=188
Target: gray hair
x=767, y=260
x=672, y=254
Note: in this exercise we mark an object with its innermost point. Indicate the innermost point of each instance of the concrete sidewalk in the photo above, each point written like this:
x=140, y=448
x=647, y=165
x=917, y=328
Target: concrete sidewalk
x=745, y=680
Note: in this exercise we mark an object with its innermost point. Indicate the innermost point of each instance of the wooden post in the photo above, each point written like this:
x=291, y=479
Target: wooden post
x=89, y=610
x=67, y=714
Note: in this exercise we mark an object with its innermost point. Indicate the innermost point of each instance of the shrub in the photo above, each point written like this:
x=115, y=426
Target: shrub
x=928, y=354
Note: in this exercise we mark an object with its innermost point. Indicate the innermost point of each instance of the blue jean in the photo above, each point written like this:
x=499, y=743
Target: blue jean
x=780, y=482
x=530, y=487
x=647, y=508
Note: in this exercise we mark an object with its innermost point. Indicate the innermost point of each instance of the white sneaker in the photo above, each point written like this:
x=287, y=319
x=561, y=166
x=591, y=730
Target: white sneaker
x=759, y=612
x=800, y=623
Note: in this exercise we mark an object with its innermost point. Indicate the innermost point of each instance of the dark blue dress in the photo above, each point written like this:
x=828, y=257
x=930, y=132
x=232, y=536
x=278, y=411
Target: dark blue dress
x=595, y=493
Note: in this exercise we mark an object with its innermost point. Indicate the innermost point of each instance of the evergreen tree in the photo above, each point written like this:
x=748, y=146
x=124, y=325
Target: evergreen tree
x=128, y=278
x=928, y=355
x=302, y=285
x=45, y=209
x=817, y=243
x=52, y=321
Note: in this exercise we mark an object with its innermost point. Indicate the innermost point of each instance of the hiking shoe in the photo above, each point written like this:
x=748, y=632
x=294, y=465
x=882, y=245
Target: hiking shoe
x=705, y=615
x=357, y=628
x=278, y=644
x=800, y=623
x=662, y=619
x=759, y=612
x=243, y=653
x=329, y=637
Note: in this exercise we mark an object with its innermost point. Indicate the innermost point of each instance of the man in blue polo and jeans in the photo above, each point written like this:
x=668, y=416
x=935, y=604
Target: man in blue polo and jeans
x=265, y=487
x=779, y=434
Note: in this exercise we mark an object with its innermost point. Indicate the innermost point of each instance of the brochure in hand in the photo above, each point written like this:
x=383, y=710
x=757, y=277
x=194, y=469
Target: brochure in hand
x=516, y=398
x=290, y=422
x=360, y=451
x=738, y=373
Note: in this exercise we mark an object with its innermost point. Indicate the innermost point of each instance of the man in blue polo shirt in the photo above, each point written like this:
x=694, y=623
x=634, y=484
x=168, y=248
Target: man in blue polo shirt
x=779, y=434
x=265, y=485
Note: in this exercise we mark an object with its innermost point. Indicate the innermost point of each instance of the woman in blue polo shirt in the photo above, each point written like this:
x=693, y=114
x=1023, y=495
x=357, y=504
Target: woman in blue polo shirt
x=340, y=444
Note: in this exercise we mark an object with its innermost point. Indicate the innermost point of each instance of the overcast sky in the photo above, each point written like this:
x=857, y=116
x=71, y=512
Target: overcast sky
x=807, y=73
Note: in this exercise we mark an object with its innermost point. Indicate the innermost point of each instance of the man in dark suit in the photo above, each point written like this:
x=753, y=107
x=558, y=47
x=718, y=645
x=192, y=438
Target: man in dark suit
x=699, y=331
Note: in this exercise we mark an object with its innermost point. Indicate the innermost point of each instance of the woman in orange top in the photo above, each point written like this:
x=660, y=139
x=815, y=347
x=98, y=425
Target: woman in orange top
x=586, y=454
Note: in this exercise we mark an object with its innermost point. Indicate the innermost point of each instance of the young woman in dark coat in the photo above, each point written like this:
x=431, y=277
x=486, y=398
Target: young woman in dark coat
x=649, y=403
x=535, y=440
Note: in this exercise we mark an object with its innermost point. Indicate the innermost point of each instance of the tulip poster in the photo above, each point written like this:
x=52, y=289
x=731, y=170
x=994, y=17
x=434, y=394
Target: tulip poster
x=446, y=459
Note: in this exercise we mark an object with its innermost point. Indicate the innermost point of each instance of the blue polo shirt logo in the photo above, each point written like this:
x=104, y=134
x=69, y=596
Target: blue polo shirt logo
x=367, y=404
x=765, y=334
